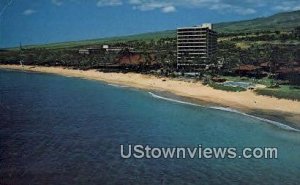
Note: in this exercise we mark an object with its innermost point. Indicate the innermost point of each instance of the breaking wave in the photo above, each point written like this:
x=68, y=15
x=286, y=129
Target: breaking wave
x=278, y=124
x=116, y=85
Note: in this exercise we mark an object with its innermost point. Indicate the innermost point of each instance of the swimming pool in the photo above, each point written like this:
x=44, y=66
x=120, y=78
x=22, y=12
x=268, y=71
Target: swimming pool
x=244, y=85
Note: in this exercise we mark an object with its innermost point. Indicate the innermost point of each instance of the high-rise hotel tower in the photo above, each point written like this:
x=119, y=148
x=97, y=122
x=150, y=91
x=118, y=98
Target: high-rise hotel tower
x=195, y=45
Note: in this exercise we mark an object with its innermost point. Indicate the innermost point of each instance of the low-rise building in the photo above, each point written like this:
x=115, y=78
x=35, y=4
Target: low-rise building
x=89, y=51
x=115, y=48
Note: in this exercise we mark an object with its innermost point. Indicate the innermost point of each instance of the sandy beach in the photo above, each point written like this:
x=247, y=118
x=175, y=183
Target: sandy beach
x=246, y=101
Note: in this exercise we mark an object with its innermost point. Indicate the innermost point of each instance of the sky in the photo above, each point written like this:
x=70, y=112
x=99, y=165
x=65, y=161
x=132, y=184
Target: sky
x=49, y=21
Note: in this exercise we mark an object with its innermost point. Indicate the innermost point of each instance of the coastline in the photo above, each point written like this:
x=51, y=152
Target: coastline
x=247, y=101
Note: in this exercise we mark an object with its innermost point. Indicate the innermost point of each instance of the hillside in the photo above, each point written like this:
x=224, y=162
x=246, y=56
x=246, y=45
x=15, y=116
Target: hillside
x=141, y=37
x=282, y=22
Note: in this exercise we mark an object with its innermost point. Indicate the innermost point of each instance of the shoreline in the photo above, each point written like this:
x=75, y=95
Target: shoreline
x=282, y=110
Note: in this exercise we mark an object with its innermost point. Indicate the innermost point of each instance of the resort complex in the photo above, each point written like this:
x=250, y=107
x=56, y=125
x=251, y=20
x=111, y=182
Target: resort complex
x=195, y=44
x=195, y=103
x=210, y=54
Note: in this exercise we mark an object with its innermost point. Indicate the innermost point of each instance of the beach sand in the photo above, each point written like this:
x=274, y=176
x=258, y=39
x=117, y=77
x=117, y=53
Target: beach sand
x=247, y=101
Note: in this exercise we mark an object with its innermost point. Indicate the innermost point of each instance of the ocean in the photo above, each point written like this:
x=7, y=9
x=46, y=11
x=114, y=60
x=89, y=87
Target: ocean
x=62, y=130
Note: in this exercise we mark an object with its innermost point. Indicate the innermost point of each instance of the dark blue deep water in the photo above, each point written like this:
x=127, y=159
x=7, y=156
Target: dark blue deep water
x=59, y=130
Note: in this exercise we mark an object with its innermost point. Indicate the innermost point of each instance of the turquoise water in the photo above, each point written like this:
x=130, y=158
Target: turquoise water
x=59, y=130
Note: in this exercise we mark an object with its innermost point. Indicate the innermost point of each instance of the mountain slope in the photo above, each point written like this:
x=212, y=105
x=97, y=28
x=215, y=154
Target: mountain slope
x=285, y=21
x=282, y=22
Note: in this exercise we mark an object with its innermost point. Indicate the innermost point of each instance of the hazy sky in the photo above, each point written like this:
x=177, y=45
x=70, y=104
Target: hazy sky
x=46, y=21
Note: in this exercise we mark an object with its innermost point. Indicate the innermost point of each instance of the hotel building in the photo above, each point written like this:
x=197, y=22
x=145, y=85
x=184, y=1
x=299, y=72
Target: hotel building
x=195, y=45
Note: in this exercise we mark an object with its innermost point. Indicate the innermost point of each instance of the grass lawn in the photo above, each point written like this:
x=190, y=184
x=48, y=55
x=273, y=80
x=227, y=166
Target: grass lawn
x=285, y=92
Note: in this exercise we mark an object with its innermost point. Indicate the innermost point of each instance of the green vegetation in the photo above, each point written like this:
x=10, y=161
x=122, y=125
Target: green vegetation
x=147, y=37
x=146, y=56
x=263, y=81
x=226, y=88
x=281, y=22
x=286, y=92
x=267, y=49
